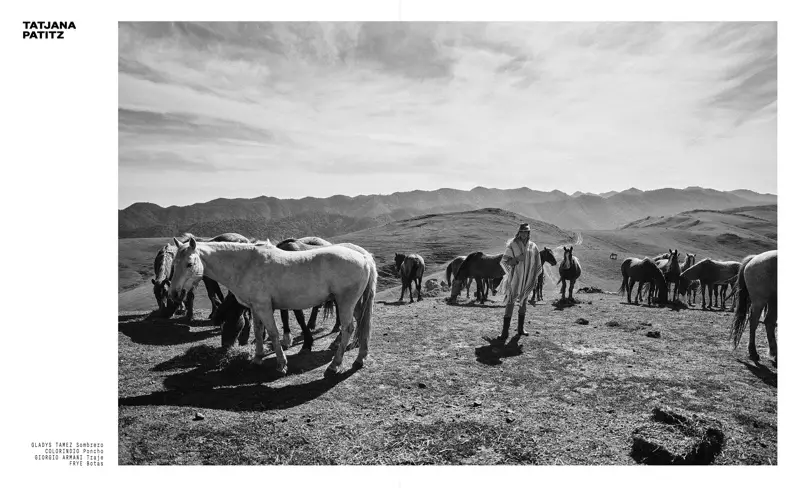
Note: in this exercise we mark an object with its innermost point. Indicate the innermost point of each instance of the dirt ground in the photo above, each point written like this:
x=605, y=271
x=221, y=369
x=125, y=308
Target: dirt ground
x=598, y=382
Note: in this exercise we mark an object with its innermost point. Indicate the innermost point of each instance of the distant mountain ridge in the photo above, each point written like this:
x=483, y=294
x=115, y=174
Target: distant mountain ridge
x=342, y=214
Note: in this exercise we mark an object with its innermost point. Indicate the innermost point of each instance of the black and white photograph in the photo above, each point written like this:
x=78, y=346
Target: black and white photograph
x=480, y=243
x=398, y=243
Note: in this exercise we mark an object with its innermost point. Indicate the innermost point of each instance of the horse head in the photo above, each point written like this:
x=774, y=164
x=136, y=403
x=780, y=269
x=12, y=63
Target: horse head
x=672, y=262
x=567, y=262
x=161, y=292
x=398, y=261
x=187, y=270
x=548, y=257
x=230, y=316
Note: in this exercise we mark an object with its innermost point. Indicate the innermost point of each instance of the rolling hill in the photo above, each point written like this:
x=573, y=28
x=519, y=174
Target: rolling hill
x=438, y=238
x=730, y=235
x=725, y=235
x=348, y=214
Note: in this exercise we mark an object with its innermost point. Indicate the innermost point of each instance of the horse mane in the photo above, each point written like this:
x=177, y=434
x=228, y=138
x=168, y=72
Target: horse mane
x=163, y=262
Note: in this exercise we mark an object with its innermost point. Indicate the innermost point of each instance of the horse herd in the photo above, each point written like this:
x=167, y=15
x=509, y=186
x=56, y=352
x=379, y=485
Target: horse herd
x=487, y=273
x=311, y=272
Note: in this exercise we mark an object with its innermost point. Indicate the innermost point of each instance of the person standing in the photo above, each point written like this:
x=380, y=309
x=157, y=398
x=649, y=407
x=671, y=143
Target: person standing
x=522, y=264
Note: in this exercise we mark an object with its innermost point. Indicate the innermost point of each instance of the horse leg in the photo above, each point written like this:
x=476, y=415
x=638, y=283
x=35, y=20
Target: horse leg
x=346, y=307
x=214, y=295
x=703, y=287
x=287, y=335
x=244, y=334
x=628, y=285
x=263, y=317
x=312, y=318
x=563, y=288
x=639, y=292
x=190, y=306
x=771, y=322
x=539, y=287
x=308, y=339
x=571, y=285
x=756, y=308
x=419, y=288
x=337, y=326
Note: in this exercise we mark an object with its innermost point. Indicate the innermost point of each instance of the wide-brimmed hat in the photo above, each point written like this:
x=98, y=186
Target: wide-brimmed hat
x=524, y=228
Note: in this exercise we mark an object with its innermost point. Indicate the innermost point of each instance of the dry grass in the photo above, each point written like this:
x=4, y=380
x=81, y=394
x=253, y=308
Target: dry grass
x=437, y=390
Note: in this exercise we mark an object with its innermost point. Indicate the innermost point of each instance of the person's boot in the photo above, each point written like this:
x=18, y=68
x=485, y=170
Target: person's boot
x=506, y=326
x=521, y=325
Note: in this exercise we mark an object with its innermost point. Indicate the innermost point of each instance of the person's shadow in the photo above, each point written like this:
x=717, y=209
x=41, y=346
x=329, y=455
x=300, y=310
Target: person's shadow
x=493, y=353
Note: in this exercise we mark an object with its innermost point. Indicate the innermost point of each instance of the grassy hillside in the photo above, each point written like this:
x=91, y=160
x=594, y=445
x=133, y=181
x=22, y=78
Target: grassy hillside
x=135, y=261
x=725, y=235
x=440, y=238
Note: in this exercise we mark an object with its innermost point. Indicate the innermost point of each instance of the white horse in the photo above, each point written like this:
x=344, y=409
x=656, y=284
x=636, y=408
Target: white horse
x=265, y=278
x=757, y=285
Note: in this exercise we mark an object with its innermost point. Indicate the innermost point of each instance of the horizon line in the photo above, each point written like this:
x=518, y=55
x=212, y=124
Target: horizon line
x=448, y=188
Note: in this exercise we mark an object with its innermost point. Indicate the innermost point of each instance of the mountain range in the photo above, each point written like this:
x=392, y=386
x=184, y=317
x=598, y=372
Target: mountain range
x=264, y=216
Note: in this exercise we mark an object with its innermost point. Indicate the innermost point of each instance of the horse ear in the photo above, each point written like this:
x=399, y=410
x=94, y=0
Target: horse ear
x=192, y=243
x=177, y=242
x=153, y=280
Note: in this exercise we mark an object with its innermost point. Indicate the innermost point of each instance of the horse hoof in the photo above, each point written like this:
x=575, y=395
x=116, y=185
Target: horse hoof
x=305, y=350
x=331, y=372
x=358, y=364
x=281, y=371
x=257, y=361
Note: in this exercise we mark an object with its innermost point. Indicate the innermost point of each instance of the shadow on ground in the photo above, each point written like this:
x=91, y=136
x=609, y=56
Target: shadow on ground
x=762, y=372
x=492, y=353
x=153, y=330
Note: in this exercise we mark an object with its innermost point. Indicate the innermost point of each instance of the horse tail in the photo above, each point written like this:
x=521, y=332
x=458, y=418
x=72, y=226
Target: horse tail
x=623, y=268
x=740, y=317
x=449, y=272
x=364, y=320
x=327, y=309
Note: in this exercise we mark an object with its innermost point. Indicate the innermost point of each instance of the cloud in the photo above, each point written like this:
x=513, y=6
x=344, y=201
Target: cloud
x=514, y=102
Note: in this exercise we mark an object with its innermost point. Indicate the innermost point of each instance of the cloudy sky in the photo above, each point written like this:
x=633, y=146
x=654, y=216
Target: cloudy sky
x=317, y=109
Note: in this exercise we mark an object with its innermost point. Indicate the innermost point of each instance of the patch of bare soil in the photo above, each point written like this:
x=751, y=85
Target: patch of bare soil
x=438, y=388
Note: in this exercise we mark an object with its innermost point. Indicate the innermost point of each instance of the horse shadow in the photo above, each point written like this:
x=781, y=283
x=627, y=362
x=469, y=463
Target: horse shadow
x=492, y=353
x=396, y=303
x=763, y=373
x=473, y=304
x=154, y=330
x=242, y=387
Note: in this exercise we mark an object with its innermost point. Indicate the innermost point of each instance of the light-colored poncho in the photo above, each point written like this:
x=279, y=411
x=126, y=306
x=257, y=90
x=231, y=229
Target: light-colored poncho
x=520, y=279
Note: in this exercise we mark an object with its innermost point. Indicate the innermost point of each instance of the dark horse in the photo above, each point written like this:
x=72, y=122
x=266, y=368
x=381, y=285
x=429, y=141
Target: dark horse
x=548, y=257
x=710, y=273
x=452, y=270
x=569, y=270
x=672, y=271
x=643, y=271
x=478, y=266
x=162, y=268
x=235, y=320
x=411, y=268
